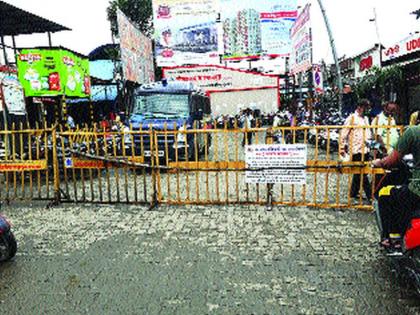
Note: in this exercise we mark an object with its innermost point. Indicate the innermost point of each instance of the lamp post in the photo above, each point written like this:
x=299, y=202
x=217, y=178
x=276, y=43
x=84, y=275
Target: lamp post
x=334, y=52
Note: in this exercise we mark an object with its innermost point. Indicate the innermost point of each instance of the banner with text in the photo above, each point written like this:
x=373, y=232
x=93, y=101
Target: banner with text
x=185, y=32
x=136, y=52
x=290, y=159
x=301, y=56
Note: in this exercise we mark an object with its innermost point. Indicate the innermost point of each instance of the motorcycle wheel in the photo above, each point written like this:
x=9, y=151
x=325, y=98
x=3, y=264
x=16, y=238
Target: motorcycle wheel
x=8, y=246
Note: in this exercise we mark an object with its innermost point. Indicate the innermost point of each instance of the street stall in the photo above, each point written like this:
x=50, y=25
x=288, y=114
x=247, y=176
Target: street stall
x=51, y=77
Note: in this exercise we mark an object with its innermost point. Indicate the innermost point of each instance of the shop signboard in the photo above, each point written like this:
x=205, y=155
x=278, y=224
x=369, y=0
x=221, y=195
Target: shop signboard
x=185, y=32
x=367, y=61
x=136, y=52
x=52, y=72
x=404, y=47
x=301, y=56
x=253, y=28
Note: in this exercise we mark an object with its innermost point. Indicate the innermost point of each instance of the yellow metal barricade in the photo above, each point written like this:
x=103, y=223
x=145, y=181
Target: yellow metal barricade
x=27, y=164
x=183, y=165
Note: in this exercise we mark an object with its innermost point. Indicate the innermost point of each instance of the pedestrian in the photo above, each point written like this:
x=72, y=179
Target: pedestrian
x=353, y=142
x=387, y=137
x=248, y=120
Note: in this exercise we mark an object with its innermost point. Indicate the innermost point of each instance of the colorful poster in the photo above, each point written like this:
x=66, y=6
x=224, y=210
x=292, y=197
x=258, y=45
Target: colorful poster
x=51, y=72
x=185, y=32
x=136, y=52
x=13, y=95
x=301, y=56
x=317, y=79
x=254, y=28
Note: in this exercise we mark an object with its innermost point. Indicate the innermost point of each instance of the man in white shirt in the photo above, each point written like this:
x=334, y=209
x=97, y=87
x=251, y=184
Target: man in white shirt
x=354, y=139
x=387, y=137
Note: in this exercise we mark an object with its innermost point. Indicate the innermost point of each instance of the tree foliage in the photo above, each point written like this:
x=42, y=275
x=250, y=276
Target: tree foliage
x=383, y=82
x=138, y=11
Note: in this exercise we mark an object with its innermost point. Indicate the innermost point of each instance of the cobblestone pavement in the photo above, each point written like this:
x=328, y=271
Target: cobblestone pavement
x=84, y=259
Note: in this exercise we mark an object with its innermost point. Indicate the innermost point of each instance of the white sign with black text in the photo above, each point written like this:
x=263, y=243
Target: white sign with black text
x=276, y=164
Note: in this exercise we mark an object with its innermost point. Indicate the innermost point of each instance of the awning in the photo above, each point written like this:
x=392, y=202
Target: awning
x=15, y=21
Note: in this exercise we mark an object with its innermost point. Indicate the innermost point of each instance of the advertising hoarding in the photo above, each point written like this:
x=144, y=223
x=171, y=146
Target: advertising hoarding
x=185, y=32
x=52, y=72
x=254, y=28
x=301, y=56
x=136, y=52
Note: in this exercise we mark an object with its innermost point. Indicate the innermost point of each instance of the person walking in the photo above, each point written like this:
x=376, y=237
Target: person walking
x=353, y=142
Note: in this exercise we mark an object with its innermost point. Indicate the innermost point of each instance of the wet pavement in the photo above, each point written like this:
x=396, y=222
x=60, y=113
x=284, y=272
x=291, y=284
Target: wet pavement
x=100, y=259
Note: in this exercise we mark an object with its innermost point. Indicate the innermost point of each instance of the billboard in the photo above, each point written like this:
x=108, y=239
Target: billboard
x=301, y=56
x=254, y=28
x=52, y=72
x=136, y=52
x=185, y=32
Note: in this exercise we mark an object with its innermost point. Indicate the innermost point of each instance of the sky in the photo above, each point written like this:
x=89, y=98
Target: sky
x=349, y=21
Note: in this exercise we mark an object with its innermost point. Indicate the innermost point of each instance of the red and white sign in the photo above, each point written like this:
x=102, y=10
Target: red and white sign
x=404, y=47
x=300, y=35
x=367, y=61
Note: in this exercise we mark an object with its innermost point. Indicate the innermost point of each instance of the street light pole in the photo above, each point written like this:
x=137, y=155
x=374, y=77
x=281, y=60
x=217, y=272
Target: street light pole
x=334, y=52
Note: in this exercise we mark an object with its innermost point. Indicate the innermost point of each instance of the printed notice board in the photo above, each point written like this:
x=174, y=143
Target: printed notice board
x=289, y=158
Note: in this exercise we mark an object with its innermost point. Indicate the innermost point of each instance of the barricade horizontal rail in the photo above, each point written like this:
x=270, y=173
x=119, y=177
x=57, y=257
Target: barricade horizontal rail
x=191, y=165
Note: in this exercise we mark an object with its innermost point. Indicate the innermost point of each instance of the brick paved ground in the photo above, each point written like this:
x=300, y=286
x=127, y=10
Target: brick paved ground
x=84, y=259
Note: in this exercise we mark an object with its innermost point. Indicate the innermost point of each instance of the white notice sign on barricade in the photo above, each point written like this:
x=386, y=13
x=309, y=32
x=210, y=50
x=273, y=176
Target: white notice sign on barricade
x=287, y=157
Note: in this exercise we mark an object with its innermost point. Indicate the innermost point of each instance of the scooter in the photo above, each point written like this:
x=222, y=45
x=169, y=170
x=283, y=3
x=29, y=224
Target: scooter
x=405, y=260
x=8, y=245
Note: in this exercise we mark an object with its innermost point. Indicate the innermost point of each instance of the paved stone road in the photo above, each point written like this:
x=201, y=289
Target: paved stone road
x=84, y=259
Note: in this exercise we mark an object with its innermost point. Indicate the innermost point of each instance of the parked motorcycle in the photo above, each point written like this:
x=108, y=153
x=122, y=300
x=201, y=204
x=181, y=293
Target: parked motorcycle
x=405, y=260
x=8, y=245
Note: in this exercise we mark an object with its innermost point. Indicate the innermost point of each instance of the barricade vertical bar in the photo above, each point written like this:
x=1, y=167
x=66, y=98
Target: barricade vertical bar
x=38, y=137
x=115, y=168
x=327, y=174
x=31, y=189
x=63, y=150
x=305, y=141
x=257, y=185
x=350, y=148
x=48, y=160
x=99, y=170
x=362, y=176
x=157, y=170
x=106, y=154
x=226, y=147
x=269, y=140
x=14, y=159
x=134, y=170
x=178, y=194
x=22, y=156
x=89, y=149
x=187, y=177
x=206, y=158
x=125, y=168
x=196, y=154
x=55, y=166
x=168, y=178
x=153, y=202
x=236, y=159
x=315, y=174
x=294, y=142
x=216, y=159
x=73, y=170
x=337, y=197
x=143, y=171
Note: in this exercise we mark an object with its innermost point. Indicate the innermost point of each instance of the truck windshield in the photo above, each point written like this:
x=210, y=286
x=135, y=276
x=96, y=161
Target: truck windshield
x=162, y=105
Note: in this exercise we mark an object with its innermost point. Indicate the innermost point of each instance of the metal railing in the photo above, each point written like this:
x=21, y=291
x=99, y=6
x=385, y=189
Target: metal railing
x=183, y=165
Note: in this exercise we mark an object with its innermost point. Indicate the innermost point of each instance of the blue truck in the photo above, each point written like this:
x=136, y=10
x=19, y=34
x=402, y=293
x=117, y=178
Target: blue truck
x=173, y=106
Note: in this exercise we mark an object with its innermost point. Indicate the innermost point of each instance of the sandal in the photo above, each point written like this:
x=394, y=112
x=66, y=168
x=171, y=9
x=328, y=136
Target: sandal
x=385, y=243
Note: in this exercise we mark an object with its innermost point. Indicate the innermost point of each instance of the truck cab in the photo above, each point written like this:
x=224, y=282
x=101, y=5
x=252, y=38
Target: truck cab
x=170, y=108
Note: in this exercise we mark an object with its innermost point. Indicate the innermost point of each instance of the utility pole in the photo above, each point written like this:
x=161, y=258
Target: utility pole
x=334, y=52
